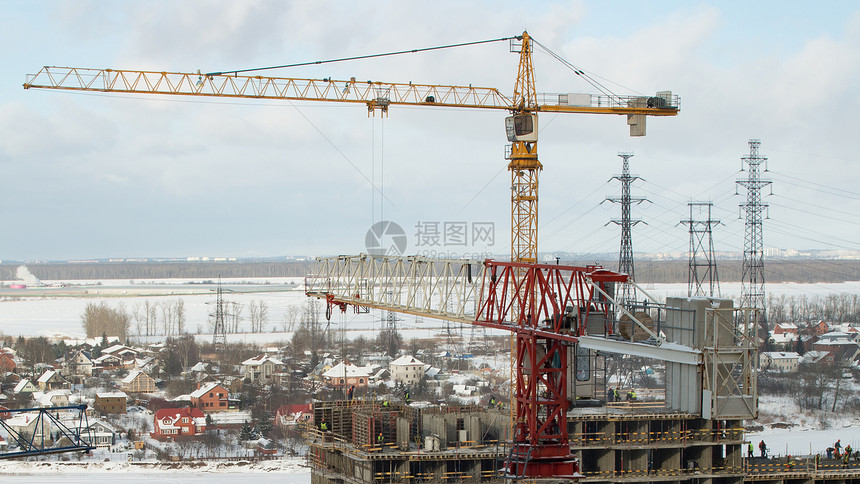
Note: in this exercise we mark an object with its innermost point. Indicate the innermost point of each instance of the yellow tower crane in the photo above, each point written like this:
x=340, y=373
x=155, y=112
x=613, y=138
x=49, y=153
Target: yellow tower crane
x=521, y=126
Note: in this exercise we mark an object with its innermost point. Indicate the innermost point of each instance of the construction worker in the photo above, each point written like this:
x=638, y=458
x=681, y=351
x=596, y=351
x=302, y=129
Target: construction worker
x=610, y=395
x=350, y=392
x=750, y=450
x=631, y=396
x=380, y=439
x=385, y=404
x=492, y=402
x=837, y=448
x=324, y=426
x=762, y=447
x=407, y=398
x=616, y=395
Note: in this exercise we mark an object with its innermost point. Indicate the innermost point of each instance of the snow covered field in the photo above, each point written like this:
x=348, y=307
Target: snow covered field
x=808, y=434
x=59, y=316
x=288, y=471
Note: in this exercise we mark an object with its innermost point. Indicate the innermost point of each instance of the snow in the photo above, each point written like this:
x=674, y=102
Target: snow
x=283, y=471
x=807, y=434
x=50, y=314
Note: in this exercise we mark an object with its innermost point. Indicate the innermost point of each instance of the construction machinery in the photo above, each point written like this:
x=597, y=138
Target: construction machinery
x=547, y=308
x=521, y=125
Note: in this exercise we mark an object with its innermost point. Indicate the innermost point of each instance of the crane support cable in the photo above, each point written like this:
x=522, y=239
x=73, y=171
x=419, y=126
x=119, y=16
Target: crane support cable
x=359, y=57
x=579, y=72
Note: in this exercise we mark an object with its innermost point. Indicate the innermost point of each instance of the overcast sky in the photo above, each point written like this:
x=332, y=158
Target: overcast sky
x=109, y=175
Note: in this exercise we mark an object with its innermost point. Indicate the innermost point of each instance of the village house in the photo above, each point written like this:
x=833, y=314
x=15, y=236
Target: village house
x=7, y=362
x=820, y=328
x=138, y=382
x=262, y=369
x=123, y=352
x=24, y=386
x=53, y=398
x=178, y=423
x=407, y=370
x=52, y=380
x=782, y=361
x=213, y=397
x=782, y=328
x=99, y=434
x=111, y=402
x=291, y=415
x=79, y=365
x=108, y=362
x=346, y=374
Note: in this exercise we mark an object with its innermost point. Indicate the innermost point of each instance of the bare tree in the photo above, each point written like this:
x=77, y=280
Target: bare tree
x=291, y=317
x=234, y=317
x=258, y=313
x=99, y=319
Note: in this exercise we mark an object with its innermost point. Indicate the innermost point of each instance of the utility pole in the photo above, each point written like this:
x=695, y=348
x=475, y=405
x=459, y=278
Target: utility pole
x=702, y=251
x=752, y=293
x=625, y=255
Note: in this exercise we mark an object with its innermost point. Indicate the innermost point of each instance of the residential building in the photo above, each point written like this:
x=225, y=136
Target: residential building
x=346, y=374
x=290, y=415
x=102, y=434
x=24, y=386
x=52, y=380
x=782, y=328
x=178, y=423
x=262, y=369
x=108, y=362
x=111, y=402
x=783, y=361
x=820, y=328
x=7, y=362
x=123, y=352
x=213, y=397
x=80, y=364
x=53, y=398
x=138, y=382
x=407, y=370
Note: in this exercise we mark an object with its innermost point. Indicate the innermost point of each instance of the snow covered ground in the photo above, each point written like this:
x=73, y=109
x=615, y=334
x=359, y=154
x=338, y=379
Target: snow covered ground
x=60, y=316
x=807, y=433
x=287, y=471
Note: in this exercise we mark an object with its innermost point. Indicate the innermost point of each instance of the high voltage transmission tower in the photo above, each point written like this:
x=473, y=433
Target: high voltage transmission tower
x=752, y=293
x=219, y=339
x=703, y=264
x=627, y=293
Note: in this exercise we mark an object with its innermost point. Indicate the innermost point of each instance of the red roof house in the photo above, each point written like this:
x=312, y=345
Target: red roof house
x=178, y=423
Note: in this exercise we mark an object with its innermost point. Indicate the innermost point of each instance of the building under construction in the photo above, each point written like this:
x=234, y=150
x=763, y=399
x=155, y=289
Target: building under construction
x=561, y=424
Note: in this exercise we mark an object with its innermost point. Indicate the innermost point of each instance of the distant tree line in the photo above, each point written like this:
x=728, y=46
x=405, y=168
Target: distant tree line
x=835, y=307
x=158, y=270
x=647, y=271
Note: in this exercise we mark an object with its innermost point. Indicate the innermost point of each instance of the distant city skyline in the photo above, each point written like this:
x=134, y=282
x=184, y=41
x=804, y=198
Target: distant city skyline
x=99, y=176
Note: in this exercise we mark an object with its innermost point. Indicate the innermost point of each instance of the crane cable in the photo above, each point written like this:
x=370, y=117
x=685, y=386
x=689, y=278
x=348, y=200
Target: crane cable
x=359, y=57
x=580, y=72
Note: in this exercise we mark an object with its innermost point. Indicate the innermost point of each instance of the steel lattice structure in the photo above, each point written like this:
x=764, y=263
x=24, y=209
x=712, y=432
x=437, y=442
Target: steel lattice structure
x=627, y=294
x=752, y=294
x=702, y=251
x=219, y=337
